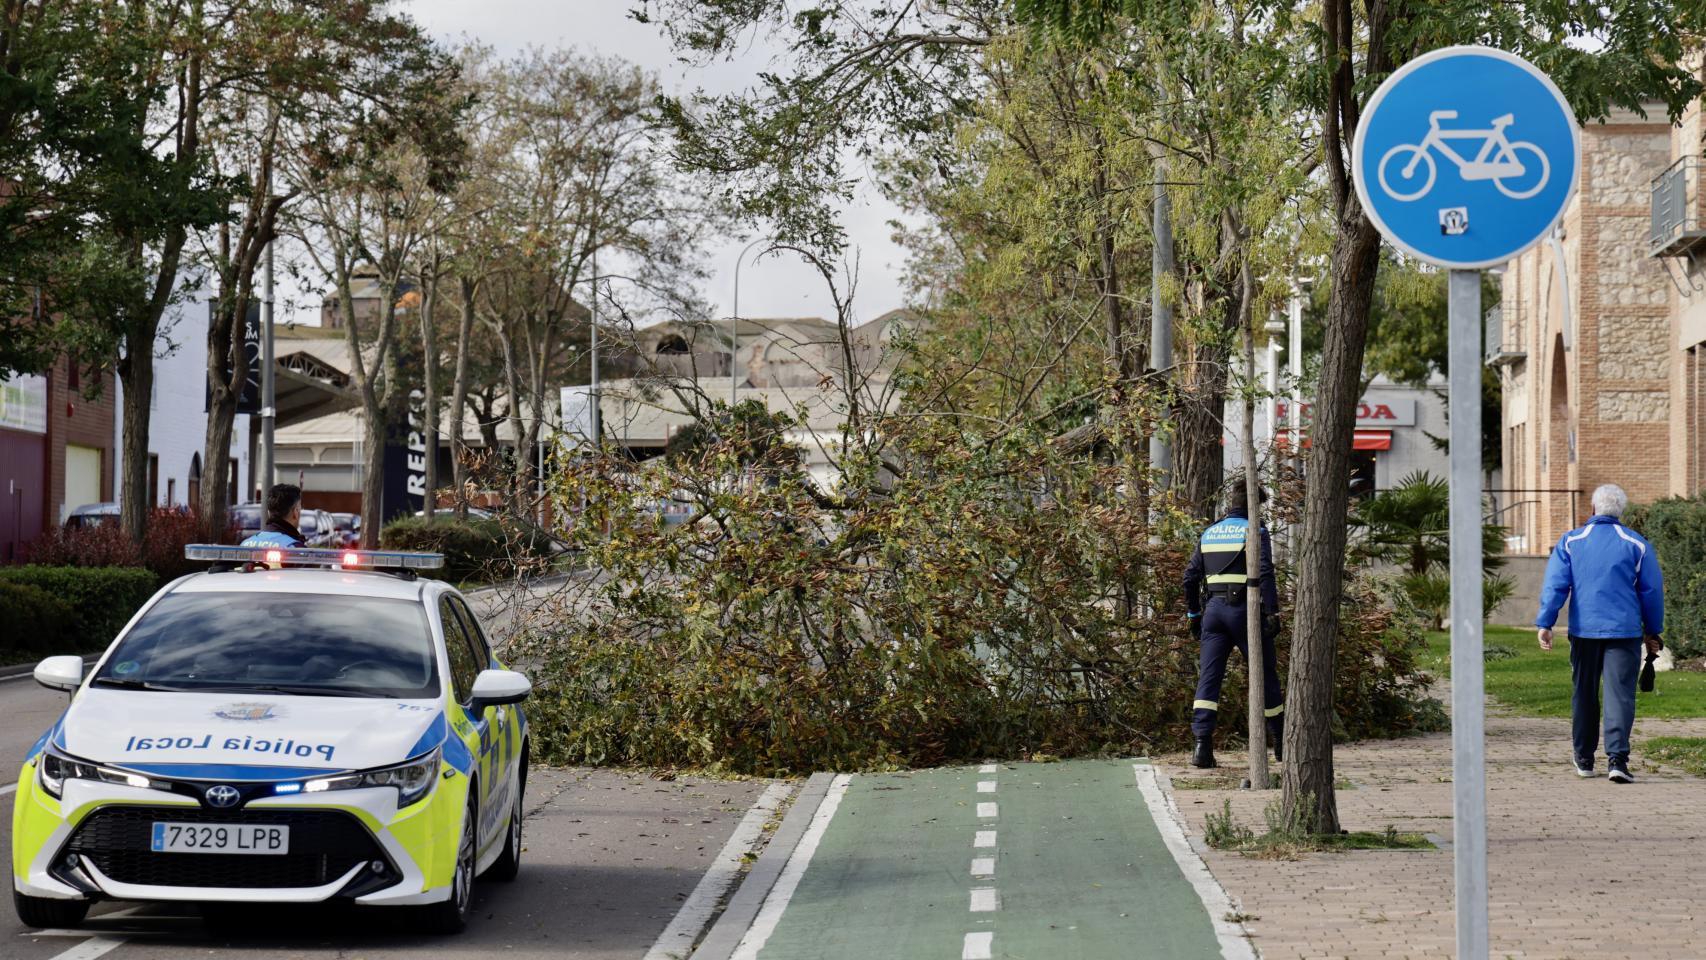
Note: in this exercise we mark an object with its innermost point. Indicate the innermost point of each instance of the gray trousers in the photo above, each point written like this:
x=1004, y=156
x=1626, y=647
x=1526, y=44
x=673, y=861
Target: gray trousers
x=1618, y=661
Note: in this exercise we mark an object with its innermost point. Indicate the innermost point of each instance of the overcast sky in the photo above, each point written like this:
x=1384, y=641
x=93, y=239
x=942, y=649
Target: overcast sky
x=773, y=286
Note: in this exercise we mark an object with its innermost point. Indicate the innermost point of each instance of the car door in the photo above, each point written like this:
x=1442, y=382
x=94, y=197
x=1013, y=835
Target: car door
x=500, y=743
x=465, y=666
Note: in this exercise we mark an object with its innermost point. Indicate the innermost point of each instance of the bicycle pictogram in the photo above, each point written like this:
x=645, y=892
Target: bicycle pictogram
x=1499, y=159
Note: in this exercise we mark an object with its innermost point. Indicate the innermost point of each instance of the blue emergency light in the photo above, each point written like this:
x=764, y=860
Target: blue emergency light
x=315, y=557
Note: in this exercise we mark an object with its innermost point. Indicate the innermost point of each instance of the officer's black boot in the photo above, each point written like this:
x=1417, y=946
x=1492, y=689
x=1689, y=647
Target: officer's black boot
x=1276, y=736
x=1204, y=754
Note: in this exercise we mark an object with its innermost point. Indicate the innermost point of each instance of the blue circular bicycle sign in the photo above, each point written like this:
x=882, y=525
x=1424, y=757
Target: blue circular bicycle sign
x=1466, y=157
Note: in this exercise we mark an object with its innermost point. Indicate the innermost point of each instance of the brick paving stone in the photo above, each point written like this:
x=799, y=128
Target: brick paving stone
x=1577, y=869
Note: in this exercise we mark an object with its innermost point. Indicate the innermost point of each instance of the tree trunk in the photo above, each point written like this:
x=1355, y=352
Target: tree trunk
x=1320, y=552
x=372, y=468
x=459, y=398
x=136, y=371
x=429, y=365
x=1254, y=658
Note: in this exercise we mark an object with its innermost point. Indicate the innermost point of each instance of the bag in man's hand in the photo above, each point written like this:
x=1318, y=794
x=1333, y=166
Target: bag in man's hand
x=1647, y=668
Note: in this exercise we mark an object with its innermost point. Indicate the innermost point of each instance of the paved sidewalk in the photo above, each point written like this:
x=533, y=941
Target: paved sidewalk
x=1578, y=869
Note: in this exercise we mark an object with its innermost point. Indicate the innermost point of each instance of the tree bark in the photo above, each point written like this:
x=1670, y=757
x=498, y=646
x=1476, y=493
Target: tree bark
x=1320, y=551
x=1254, y=658
x=136, y=372
x=429, y=367
x=459, y=397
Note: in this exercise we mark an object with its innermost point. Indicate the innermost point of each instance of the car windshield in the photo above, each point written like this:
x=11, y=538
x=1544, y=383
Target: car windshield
x=292, y=643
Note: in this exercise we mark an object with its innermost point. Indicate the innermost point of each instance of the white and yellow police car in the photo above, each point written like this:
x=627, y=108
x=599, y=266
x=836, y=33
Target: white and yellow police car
x=332, y=729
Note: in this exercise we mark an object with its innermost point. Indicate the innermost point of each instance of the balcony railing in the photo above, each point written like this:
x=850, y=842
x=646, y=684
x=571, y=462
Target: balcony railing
x=1676, y=225
x=1504, y=339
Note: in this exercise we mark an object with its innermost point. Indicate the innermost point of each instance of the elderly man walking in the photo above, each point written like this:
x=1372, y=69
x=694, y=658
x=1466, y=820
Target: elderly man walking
x=1610, y=575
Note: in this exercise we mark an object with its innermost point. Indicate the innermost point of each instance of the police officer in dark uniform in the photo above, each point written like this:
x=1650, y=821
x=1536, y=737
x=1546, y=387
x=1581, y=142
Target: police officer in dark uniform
x=284, y=512
x=1220, y=569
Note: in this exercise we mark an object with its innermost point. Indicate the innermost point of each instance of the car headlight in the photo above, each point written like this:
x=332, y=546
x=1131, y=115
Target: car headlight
x=55, y=768
x=412, y=778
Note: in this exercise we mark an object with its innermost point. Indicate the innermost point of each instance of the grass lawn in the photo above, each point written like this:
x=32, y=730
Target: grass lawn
x=1537, y=684
x=1689, y=753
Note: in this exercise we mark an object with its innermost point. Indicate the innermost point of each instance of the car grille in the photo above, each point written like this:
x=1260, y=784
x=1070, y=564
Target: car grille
x=324, y=845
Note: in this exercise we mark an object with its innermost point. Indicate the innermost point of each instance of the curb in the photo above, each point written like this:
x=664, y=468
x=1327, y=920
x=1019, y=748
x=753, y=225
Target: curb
x=725, y=935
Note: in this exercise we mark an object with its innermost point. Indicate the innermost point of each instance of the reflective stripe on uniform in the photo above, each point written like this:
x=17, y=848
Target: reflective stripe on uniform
x=1234, y=578
x=1205, y=705
x=1274, y=711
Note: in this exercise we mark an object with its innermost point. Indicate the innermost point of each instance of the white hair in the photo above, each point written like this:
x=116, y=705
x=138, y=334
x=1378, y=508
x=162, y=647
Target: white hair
x=1610, y=500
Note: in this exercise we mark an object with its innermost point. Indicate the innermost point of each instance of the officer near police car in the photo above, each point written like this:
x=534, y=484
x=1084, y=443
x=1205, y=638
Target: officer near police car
x=1216, y=594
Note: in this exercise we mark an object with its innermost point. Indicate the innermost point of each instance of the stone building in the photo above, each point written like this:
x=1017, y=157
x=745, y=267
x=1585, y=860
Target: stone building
x=1582, y=339
x=1678, y=247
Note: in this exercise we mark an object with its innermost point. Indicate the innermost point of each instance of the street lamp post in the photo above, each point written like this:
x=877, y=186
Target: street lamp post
x=734, y=323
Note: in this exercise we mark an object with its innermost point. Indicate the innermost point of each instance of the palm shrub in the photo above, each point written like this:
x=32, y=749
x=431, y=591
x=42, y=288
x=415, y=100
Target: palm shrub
x=1409, y=527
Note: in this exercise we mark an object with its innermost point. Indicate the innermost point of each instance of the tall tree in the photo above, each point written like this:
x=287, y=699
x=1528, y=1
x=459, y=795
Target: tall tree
x=332, y=81
x=1600, y=55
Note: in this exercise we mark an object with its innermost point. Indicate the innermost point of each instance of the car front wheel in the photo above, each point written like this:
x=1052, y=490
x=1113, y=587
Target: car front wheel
x=451, y=915
x=44, y=913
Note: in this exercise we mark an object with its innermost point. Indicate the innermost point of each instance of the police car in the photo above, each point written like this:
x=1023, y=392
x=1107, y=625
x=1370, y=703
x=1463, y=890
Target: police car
x=292, y=726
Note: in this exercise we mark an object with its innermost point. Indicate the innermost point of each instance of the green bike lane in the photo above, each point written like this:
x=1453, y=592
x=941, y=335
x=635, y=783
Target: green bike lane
x=1016, y=861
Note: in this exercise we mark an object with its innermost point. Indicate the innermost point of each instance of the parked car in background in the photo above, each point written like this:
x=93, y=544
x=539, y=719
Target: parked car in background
x=92, y=515
x=319, y=529
x=246, y=519
x=349, y=528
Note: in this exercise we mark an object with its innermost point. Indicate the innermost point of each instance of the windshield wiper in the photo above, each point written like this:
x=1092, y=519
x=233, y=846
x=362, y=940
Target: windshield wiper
x=298, y=690
x=121, y=683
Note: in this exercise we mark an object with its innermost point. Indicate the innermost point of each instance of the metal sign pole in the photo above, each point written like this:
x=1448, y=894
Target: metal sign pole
x=1468, y=745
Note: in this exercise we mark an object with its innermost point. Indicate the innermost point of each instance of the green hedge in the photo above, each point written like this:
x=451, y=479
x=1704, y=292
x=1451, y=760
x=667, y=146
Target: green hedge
x=476, y=550
x=98, y=602
x=1677, y=528
x=35, y=620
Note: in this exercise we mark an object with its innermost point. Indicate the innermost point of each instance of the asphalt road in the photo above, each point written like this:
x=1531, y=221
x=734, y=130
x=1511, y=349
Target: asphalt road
x=609, y=857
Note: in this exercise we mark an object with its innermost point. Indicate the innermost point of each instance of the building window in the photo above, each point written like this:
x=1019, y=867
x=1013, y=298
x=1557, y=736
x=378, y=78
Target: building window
x=231, y=483
x=672, y=344
x=153, y=479
x=192, y=486
x=171, y=491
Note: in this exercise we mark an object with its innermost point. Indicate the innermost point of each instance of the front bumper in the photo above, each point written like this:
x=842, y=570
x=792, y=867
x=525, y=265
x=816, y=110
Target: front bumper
x=351, y=845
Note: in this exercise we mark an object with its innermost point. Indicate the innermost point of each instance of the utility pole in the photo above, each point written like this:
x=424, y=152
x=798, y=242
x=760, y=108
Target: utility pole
x=1161, y=320
x=269, y=401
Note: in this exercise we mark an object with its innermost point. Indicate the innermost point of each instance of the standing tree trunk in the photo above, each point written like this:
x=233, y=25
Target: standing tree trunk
x=1320, y=551
x=1254, y=658
x=429, y=364
x=468, y=288
x=136, y=372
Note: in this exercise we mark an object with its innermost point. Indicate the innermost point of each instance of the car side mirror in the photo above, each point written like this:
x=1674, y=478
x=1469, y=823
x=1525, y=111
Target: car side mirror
x=494, y=688
x=60, y=673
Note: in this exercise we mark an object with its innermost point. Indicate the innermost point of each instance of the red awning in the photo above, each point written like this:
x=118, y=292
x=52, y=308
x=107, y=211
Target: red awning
x=1363, y=439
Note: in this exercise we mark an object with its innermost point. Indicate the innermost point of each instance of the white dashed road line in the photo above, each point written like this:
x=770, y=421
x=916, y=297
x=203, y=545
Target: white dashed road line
x=988, y=811
x=979, y=946
x=983, y=866
x=986, y=786
x=91, y=948
x=987, y=768
x=8, y=788
x=984, y=838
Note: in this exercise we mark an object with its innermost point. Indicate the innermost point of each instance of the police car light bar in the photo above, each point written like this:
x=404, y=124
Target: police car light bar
x=316, y=557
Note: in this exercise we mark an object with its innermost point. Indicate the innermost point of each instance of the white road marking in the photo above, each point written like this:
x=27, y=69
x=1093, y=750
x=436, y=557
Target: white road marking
x=771, y=913
x=683, y=932
x=988, y=810
x=983, y=867
x=987, y=768
x=979, y=946
x=986, y=786
x=8, y=788
x=1234, y=940
x=984, y=838
x=985, y=900
x=91, y=948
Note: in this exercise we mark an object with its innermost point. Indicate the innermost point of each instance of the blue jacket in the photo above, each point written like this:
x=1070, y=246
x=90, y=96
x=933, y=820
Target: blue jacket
x=1610, y=575
x=276, y=533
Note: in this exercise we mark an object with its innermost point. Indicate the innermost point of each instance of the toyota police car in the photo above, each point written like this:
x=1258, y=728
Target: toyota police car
x=330, y=729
